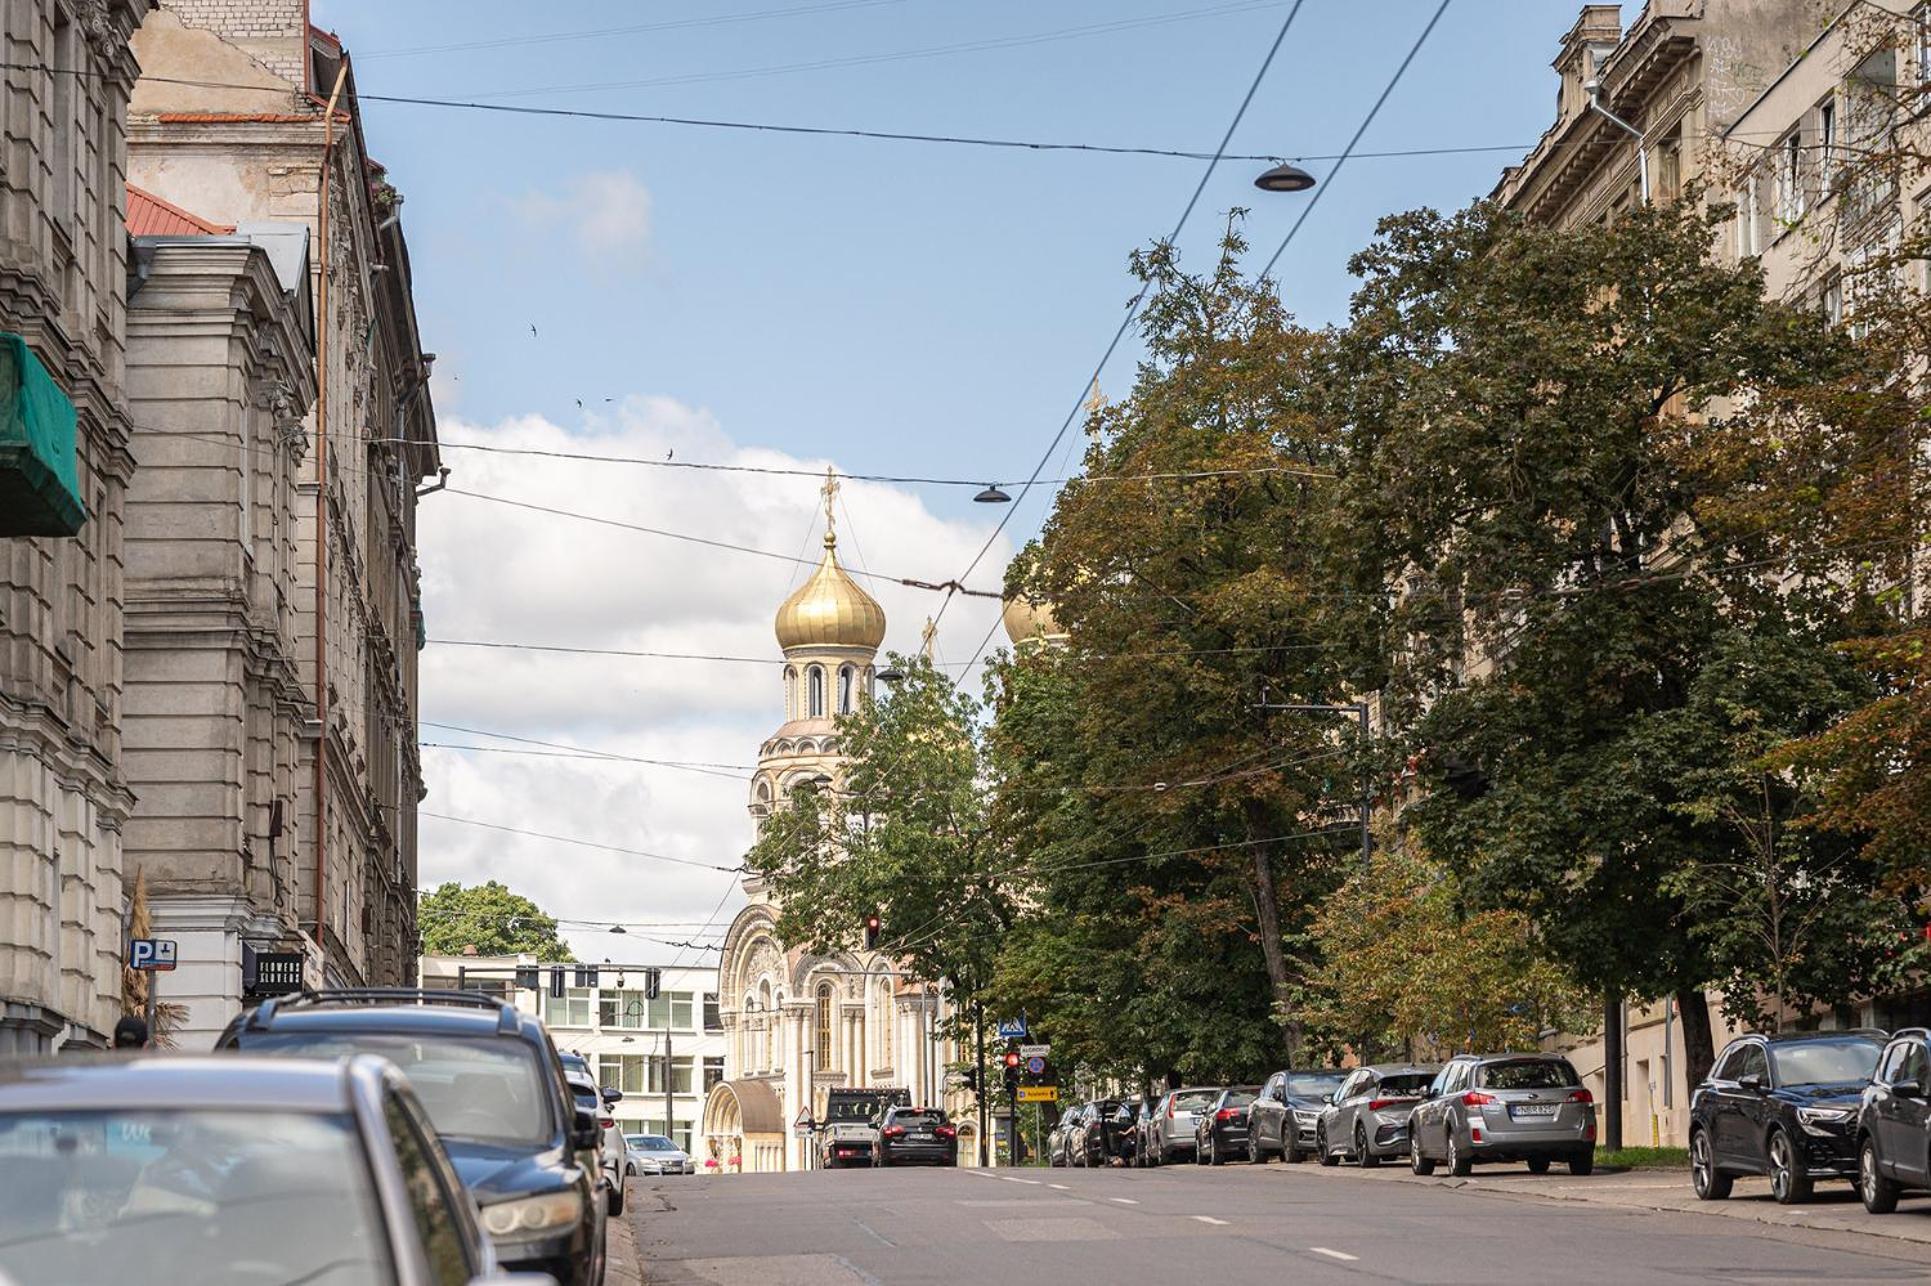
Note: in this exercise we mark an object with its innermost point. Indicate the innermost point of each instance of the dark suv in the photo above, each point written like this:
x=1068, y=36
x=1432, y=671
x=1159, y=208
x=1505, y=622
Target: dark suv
x=1785, y=1106
x=1894, y=1123
x=915, y=1134
x=494, y=1088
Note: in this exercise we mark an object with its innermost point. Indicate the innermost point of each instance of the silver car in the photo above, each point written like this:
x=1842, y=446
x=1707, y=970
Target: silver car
x=1367, y=1119
x=1170, y=1131
x=1504, y=1107
x=655, y=1154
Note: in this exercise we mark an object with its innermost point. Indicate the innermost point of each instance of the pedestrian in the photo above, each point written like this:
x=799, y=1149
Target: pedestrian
x=130, y=1033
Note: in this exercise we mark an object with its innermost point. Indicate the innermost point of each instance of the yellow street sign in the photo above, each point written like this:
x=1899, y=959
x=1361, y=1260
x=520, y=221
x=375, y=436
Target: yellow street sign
x=1039, y=1093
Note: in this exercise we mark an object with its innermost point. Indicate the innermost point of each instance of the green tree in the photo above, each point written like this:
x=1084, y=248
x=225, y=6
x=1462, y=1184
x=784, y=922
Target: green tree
x=489, y=917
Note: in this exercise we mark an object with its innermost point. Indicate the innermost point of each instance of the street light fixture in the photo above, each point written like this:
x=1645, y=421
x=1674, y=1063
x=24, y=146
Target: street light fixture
x=891, y=676
x=992, y=495
x=1285, y=177
x=617, y=928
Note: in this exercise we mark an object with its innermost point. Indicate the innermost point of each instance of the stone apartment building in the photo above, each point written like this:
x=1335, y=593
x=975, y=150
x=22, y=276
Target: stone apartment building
x=65, y=462
x=310, y=674
x=1716, y=91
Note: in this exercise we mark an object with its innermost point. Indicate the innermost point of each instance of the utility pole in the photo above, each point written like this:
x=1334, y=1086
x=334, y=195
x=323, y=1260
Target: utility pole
x=1612, y=1071
x=670, y=1109
x=979, y=1093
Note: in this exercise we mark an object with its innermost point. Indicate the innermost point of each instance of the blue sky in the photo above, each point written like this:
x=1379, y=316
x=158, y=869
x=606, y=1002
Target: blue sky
x=769, y=299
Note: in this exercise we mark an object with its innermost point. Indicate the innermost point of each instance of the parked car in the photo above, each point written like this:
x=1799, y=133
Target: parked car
x=493, y=1086
x=225, y=1171
x=1143, y=1132
x=1170, y=1132
x=1894, y=1123
x=1482, y=1108
x=1783, y=1105
x=1285, y=1116
x=850, y=1127
x=1368, y=1119
x=613, y=1154
x=1103, y=1126
x=912, y=1134
x=655, y=1154
x=1061, y=1138
x=1220, y=1129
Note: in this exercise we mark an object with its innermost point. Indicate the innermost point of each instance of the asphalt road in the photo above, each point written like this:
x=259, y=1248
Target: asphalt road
x=1197, y=1227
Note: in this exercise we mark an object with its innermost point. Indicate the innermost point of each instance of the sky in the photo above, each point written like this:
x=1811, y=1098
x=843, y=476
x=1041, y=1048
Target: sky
x=787, y=301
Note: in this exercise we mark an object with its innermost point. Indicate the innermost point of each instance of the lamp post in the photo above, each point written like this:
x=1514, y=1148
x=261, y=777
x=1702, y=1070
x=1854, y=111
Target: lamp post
x=1359, y=709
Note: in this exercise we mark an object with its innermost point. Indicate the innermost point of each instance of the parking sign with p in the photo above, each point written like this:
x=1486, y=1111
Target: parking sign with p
x=151, y=954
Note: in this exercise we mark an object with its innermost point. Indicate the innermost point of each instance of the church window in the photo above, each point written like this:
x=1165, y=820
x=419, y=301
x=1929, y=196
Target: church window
x=815, y=688
x=790, y=693
x=821, y=1055
x=844, y=689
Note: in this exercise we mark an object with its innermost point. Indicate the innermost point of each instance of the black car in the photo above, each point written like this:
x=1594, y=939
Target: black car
x=227, y=1172
x=1220, y=1130
x=913, y=1134
x=494, y=1088
x=1105, y=1131
x=1284, y=1118
x=1894, y=1123
x=1785, y=1106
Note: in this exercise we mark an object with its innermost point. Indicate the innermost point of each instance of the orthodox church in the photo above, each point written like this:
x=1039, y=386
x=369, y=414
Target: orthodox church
x=799, y=1024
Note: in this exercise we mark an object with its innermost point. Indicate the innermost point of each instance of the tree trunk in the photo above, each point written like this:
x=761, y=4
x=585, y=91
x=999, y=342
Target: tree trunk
x=1699, y=1044
x=1267, y=914
x=1612, y=1071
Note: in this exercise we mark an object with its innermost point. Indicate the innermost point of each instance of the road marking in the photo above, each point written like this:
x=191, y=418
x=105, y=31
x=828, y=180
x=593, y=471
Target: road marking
x=1009, y=1179
x=1210, y=1219
x=876, y=1235
x=1125, y=1201
x=1062, y=1187
x=1335, y=1254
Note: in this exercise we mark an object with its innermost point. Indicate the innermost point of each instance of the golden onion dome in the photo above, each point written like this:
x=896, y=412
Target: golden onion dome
x=1028, y=622
x=830, y=610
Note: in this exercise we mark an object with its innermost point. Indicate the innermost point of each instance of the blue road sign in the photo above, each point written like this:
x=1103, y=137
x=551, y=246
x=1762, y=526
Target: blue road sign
x=1036, y=1066
x=150, y=953
x=1012, y=1028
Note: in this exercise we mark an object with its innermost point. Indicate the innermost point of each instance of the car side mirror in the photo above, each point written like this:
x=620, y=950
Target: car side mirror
x=1913, y=1088
x=1754, y=1082
x=584, y=1132
x=611, y=1095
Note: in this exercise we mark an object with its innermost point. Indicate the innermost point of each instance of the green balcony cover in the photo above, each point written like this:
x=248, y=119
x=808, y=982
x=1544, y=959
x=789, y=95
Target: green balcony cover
x=39, y=474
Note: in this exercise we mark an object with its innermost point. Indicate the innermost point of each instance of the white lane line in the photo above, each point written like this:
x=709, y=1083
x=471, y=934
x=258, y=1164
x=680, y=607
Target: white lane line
x=1125, y=1201
x=1335, y=1254
x=1062, y=1187
x=1210, y=1219
x=1009, y=1179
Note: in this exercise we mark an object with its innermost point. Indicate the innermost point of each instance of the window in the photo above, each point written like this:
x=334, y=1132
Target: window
x=624, y=1072
x=790, y=693
x=681, y=1072
x=429, y=1203
x=1747, y=221
x=815, y=692
x=844, y=689
x=572, y=1009
x=63, y=197
x=1893, y=1059
x=1789, y=178
x=1833, y=301
x=713, y=1071
x=1750, y=1062
x=1669, y=169
x=1827, y=142
x=713, y=1021
x=821, y=1053
x=1924, y=44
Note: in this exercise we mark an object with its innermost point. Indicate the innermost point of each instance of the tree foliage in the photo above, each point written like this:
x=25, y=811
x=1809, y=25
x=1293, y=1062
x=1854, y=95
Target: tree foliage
x=491, y=918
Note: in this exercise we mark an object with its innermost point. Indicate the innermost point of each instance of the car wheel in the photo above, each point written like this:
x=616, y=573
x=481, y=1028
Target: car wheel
x=1214, y=1155
x=1583, y=1162
x=1418, y=1162
x=1363, y=1155
x=1321, y=1149
x=1256, y=1154
x=1790, y=1182
x=1460, y=1164
x=1879, y=1193
x=1708, y=1182
x=630, y=1171
x=1538, y=1165
x=616, y=1206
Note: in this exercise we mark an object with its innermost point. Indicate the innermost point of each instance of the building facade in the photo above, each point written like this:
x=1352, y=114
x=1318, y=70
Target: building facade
x=664, y=1053
x=249, y=116
x=221, y=371
x=65, y=464
x=798, y=1024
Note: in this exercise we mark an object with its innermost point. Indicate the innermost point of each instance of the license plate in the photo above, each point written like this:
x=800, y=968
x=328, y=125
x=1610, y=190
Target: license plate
x=1532, y=1109
x=922, y=1137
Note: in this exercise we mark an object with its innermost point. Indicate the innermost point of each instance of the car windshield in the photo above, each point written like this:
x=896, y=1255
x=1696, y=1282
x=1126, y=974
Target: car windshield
x=1405, y=1083
x=852, y=1109
x=1314, y=1084
x=478, y=1088
x=919, y=1120
x=1239, y=1098
x=204, y=1196
x=1825, y=1062
x=1528, y=1074
x=1190, y=1100
x=652, y=1143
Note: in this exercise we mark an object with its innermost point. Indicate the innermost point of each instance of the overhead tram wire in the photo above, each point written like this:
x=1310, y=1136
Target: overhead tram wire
x=1327, y=180
x=581, y=843
x=604, y=33
x=1126, y=322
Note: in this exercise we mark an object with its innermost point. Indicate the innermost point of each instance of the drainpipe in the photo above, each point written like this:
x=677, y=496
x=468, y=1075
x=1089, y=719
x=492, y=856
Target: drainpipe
x=322, y=519
x=1593, y=88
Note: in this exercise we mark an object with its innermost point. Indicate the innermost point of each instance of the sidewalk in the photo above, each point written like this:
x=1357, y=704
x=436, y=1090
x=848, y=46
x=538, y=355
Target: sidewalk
x=1834, y=1209
x=626, y=1266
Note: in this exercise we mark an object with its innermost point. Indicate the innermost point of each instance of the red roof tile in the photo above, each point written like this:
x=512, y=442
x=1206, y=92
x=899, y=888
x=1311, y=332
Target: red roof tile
x=149, y=216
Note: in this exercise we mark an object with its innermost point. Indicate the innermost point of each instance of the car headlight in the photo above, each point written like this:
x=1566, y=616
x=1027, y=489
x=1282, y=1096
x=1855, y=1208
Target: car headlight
x=1820, y=1120
x=1305, y=1117
x=532, y=1216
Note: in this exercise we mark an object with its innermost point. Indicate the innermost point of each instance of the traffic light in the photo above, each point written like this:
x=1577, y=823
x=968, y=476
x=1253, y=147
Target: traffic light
x=972, y=1079
x=653, y=978
x=871, y=932
x=1012, y=1058
x=1012, y=1075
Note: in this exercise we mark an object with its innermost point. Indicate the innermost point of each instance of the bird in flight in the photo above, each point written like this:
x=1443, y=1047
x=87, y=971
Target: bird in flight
x=668, y=454
x=579, y=404
x=532, y=328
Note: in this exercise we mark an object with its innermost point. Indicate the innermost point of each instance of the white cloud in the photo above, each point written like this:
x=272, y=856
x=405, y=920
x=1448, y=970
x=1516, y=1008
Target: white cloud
x=607, y=211
x=495, y=573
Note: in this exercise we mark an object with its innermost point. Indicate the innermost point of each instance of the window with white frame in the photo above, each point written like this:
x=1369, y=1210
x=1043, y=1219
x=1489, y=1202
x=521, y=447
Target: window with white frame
x=1833, y=301
x=1827, y=144
x=1747, y=220
x=1789, y=179
x=713, y=1071
x=1924, y=44
x=572, y=1009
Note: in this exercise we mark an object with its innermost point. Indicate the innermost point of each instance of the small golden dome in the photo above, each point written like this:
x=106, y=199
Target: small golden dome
x=830, y=610
x=1029, y=622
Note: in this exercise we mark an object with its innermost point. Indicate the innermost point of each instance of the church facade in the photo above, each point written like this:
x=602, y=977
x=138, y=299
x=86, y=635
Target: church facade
x=798, y=1024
